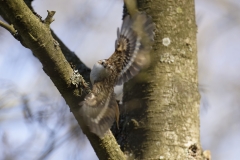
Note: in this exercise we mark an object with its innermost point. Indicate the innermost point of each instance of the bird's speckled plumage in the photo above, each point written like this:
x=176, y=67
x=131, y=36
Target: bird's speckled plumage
x=99, y=109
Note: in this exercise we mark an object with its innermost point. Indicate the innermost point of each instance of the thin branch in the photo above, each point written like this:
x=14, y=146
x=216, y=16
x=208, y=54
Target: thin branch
x=49, y=19
x=131, y=6
x=8, y=27
x=207, y=155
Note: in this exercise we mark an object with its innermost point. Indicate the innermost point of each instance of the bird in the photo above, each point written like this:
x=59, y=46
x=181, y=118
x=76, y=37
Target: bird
x=99, y=109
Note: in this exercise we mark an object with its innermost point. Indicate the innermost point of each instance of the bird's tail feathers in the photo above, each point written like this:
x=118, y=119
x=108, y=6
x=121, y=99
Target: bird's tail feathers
x=99, y=114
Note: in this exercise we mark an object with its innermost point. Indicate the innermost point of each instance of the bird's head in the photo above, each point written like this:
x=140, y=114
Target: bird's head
x=99, y=71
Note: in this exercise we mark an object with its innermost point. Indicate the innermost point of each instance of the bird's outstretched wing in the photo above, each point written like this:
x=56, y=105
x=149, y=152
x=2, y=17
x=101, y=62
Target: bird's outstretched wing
x=99, y=109
x=132, y=44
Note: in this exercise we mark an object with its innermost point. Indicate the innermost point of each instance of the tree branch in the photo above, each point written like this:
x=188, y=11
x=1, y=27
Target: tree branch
x=49, y=19
x=70, y=56
x=8, y=27
x=37, y=37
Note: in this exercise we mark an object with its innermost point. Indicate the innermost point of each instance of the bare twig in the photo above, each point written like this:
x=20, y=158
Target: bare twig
x=207, y=155
x=8, y=27
x=131, y=6
x=49, y=19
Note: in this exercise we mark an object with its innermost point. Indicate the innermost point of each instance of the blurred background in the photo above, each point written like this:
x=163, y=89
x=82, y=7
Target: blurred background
x=35, y=122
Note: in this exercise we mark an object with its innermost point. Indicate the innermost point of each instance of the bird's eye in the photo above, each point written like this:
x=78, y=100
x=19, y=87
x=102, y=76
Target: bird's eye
x=102, y=63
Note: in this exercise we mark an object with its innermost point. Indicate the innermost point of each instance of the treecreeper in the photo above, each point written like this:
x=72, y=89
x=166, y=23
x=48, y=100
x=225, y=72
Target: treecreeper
x=134, y=40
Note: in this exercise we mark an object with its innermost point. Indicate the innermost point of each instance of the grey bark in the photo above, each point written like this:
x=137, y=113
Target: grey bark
x=160, y=118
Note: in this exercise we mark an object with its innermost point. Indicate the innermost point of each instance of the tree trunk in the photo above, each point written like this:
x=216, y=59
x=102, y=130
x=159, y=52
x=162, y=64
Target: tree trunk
x=160, y=118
